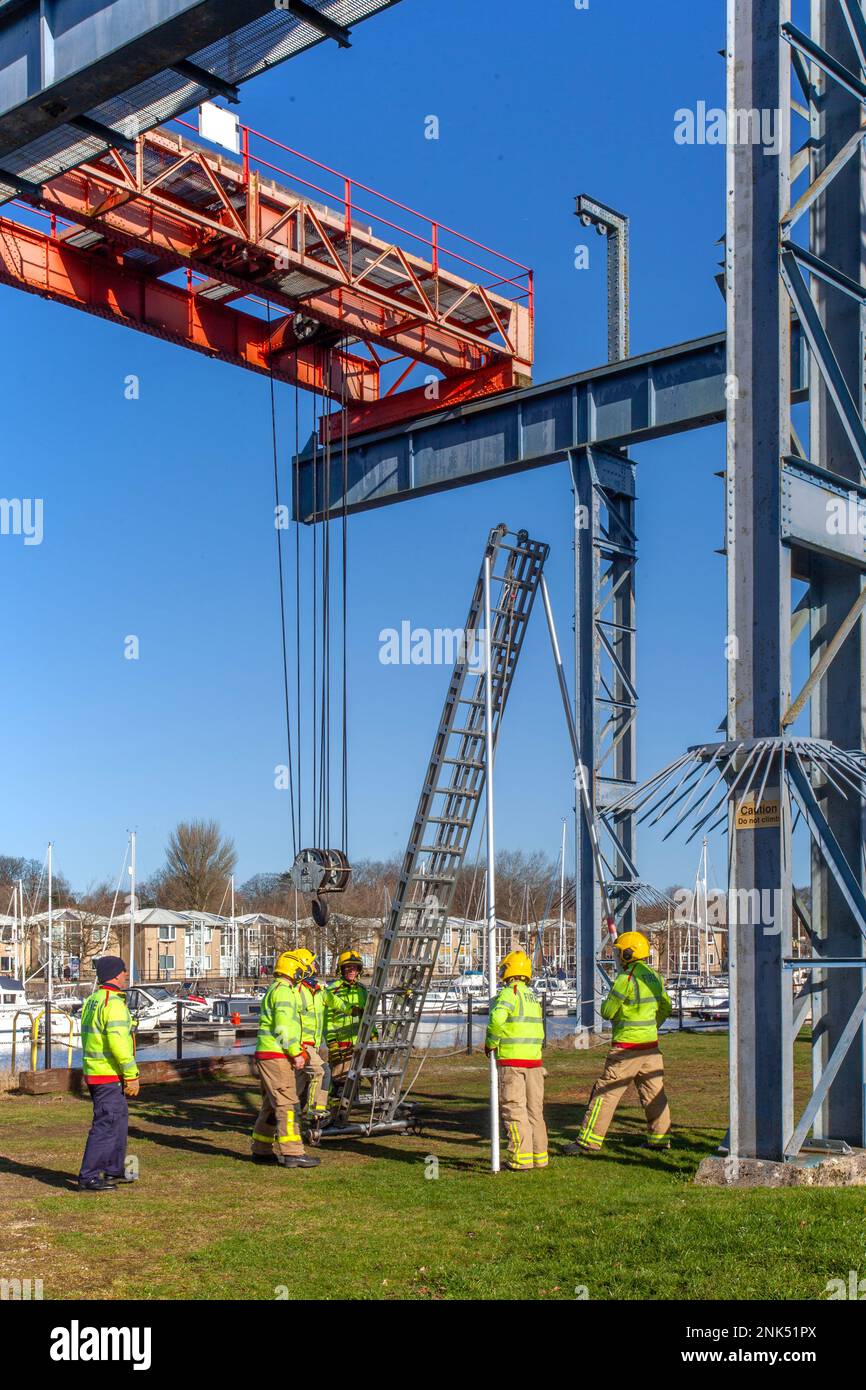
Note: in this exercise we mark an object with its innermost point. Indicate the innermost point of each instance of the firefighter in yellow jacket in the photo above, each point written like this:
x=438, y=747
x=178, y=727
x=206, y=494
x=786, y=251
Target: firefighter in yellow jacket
x=515, y=1033
x=314, y=1080
x=637, y=1005
x=279, y=1058
x=345, y=1002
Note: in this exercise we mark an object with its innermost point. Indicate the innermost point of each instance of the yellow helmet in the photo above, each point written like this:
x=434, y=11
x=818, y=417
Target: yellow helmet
x=307, y=959
x=632, y=945
x=516, y=963
x=289, y=965
x=349, y=958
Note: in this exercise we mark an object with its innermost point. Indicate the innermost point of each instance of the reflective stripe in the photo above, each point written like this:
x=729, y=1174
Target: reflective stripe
x=263, y=1138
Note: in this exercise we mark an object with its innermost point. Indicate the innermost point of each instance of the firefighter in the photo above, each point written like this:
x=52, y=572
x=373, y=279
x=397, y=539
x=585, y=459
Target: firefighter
x=111, y=1074
x=314, y=1081
x=637, y=1005
x=515, y=1035
x=279, y=1058
x=345, y=1002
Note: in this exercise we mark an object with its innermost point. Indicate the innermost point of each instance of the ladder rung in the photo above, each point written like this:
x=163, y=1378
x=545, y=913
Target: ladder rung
x=460, y=822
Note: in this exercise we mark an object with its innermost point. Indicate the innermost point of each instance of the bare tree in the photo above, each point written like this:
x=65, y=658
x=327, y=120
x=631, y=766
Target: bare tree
x=198, y=863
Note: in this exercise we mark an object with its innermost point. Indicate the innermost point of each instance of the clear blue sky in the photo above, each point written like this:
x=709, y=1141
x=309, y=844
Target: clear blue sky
x=158, y=513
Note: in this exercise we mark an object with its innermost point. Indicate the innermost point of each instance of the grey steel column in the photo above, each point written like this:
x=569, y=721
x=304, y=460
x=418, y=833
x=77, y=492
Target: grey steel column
x=758, y=567
x=587, y=898
x=838, y=713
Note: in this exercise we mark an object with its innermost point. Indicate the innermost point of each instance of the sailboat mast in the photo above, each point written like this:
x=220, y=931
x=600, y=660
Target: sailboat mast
x=50, y=990
x=562, y=899
x=132, y=907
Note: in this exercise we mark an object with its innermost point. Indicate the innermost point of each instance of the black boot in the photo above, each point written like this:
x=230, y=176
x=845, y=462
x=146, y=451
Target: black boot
x=298, y=1161
x=97, y=1185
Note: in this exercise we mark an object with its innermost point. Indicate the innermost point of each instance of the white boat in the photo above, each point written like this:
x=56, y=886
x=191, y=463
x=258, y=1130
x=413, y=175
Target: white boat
x=15, y=1008
x=154, y=1006
x=449, y=1001
x=17, y=1014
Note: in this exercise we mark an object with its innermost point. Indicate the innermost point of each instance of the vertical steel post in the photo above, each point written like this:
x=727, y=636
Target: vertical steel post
x=837, y=713
x=491, y=857
x=758, y=565
x=586, y=893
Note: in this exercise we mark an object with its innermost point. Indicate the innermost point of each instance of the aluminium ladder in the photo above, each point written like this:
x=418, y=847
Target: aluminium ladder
x=451, y=793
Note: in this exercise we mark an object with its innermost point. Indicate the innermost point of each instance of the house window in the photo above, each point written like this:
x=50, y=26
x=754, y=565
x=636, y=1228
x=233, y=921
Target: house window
x=167, y=933
x=166, y=962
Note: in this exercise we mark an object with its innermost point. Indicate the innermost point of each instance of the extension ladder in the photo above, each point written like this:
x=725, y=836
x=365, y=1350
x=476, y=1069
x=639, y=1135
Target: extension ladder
x=450, y=796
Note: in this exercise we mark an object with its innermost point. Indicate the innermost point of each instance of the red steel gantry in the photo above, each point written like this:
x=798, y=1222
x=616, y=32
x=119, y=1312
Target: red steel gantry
x=300, y=271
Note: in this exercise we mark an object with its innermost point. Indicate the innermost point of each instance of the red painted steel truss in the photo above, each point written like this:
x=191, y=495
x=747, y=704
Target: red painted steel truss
x=299, y=271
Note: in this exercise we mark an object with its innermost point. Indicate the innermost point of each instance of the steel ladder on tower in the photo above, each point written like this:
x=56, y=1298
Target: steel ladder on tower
x=450, y=796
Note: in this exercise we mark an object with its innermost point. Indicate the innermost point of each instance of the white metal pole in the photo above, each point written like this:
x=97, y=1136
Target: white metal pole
x=22, y=936
x=491, y=851
x=132, y=907
x=234, y=933
x=16, y=933
x=562, y=899
x=50, y=924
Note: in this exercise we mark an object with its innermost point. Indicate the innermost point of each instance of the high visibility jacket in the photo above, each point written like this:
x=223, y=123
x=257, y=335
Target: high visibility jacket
x=344, y=1008
x=312, y=1003
x=279, y=1032
x=516, y=1026
x=637, y=1004
x=106, y=1037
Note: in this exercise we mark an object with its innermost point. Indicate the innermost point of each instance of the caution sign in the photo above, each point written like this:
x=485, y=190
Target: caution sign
x=759, y=817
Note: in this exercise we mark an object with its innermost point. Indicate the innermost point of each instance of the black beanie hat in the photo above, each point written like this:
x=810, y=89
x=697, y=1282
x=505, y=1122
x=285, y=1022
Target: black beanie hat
x=108, y=968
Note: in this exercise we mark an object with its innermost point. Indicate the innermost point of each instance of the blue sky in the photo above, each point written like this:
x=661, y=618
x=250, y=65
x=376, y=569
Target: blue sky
x=158, y=512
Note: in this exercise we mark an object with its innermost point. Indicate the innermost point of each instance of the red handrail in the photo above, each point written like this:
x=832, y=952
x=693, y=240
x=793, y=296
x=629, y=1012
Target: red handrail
x=353, y=208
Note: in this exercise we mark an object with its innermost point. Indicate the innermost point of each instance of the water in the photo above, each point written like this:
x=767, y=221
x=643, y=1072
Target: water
x=448, y=1035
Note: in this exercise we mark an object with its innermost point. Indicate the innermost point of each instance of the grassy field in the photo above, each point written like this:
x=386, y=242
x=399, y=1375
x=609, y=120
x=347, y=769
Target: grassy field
x=204, y=1223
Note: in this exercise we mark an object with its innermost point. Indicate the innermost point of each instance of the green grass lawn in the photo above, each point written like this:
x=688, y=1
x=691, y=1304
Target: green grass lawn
x=203, y=1222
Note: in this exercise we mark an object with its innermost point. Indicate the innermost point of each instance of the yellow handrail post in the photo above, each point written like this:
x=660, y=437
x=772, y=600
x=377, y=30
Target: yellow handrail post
x=15, y=1017
x=34, y=1041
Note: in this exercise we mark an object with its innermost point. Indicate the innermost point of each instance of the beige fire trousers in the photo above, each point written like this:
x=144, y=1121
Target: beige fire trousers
x=624, y=1065
x=277, y=1121
x=521, y=1104
x=313, y=1084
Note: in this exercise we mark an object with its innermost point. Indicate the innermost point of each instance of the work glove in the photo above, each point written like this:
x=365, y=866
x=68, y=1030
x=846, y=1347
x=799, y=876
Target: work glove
x=131, y=1087
x=489, y=1051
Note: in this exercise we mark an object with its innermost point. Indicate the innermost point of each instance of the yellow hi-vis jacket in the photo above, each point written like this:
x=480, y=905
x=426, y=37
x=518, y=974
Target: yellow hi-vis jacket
x=106, y=1038
x=637, y=1005
x=279, y=1032
x=516, y=1026
x=311, y=999
x=344, y=1009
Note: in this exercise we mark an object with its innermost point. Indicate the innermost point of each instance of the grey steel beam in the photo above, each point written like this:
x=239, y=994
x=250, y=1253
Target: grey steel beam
x=824, y=513
x=758, y=566
x=837, y=229
x=615, y=227
x=133, y=64
x=619, y=405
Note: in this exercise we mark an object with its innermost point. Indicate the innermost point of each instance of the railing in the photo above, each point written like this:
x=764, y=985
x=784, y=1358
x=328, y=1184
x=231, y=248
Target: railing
x=34, y=1037
x=443, y=247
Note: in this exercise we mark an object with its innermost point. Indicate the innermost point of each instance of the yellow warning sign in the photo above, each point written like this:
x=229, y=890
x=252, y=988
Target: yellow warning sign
x=758, y=817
